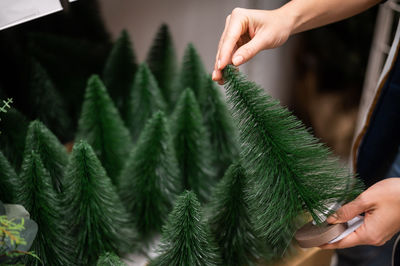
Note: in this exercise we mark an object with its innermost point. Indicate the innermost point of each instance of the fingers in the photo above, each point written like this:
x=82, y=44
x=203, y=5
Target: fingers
x=217, y=73
x=349, y=211
x=354, y=239
x=247, y=51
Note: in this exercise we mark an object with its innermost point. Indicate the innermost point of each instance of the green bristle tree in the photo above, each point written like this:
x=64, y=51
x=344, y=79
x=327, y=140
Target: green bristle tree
x=98, y=219
x=186, y=240
x=150, y=180
x=52, y=153
x=119, y=71
x=192, y=71
x=161, y=59
x=47, y=104
x=13, y=127
x=230, y=220
x=192, y=146
x=110, y=259
x=102, y=127
x=145, y=100
x=53, y=244
x=9, y=181
x=290, y=170
x=219, y=123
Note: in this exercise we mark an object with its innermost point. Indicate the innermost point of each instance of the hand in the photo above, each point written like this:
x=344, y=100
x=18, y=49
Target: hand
x=381, y=205
x=247, y=32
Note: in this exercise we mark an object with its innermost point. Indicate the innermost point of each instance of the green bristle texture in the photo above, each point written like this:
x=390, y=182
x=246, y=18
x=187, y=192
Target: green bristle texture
x=97, y=216
x=110, y=259
x=53, y=243
x=102, y=127
x=151, y=180
x=52, y=153
x=185, y=239
x=192, y=146
x=145, y=100
x=9, y=181
x=119, y=71
x=161, y=59
x=290, y=170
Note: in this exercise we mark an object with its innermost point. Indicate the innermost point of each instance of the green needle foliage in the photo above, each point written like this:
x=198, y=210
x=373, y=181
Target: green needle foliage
x=290, y=170
x=230, y=220
x=13, y=128
x=192, y=146
x=162, y=62
x=110, y=259
x=145, y=100
x=102, y=127
x=52, y=245
x=47, y=104
x=192, y=71
x=150, y=180
x=99, y=221
x=52, y=153
x=185, y=239
x=9, y=181
x=119, y=72
x=219, y=124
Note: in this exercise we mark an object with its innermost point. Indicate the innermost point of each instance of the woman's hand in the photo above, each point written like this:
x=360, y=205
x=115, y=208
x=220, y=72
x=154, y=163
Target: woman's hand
x=381, y=205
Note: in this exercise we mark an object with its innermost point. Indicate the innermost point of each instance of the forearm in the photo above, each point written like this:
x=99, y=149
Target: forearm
x=309, y=14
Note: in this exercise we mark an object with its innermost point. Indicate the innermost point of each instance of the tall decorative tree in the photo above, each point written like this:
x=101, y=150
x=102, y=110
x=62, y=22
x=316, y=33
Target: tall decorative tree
x=53, y=244
x=110, y=259
x=99, y=221
x=192, y=146
x=119, y=71
x=145, y=100
x=192, y=71
x=9, y=181
x=150, y=180
x=185, y=239
x=219, y=123
x=230, y=220
x=288, y=168
x=47, y=104
x=52, y=153
x=101, y=125
x=161, y=59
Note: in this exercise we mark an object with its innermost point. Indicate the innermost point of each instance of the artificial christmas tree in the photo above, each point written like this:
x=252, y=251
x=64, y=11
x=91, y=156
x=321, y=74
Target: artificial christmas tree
x=289, y=170
x=110, y=259
x=150, y=180
x=52, y=245
x=185, y=239
x=230, y=220
x=145, y=100
x=119, y=71
x=192, y=146
x=219, y=123
x=9, y=181
x=102, y=127
x=162, y=62
x=99, y=221
x=52, y=153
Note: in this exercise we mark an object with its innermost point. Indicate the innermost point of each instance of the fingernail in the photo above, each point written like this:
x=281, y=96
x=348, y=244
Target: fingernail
x=219, y=64
x=213, y=75
x=237, y=60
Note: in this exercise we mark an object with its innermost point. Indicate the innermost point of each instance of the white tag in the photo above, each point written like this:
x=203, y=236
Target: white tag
x=353, y=224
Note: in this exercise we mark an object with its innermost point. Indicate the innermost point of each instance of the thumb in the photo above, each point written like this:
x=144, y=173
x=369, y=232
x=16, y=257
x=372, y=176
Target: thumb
x=247, y=51
x=348, y=211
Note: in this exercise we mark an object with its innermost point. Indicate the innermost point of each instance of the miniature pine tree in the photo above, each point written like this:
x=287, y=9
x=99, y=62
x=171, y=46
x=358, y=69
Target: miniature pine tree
x=192, y=146
x=192, y=71
x=219, y=124
x=98, y=219
x=162, y=62
x=119, y=72
x=102, y=127
x=230, y=220
x=13, y=128
x=52, y=245
x=47, y=104
x=150, y=180
x=52, y=153
x=110, y=259
x=9, y=181
x=145, y=100
x=288, y=168
x=185, y=239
